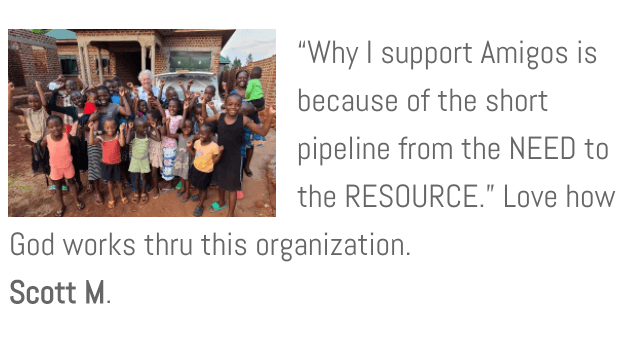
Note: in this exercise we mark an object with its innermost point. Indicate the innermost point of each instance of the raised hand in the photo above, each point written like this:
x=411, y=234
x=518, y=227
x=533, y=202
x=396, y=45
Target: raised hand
x=181, y=83
x=162, y=83
x=154, y=102
x=186, y=105
x=11, y=86
x=273, y=110
x=122, y=127
x=136, y=91
x=130, y=85
x=196, y=95
x=202, y=99
x=130, y=125
x=37, y=84
x=122, y=91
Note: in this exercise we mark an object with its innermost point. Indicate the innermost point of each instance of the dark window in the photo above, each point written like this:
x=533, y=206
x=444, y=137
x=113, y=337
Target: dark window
x=105, y=67
x=69, y=65
x=191, y=61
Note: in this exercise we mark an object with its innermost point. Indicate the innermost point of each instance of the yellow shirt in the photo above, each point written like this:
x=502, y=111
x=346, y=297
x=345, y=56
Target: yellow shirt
x=203, y=156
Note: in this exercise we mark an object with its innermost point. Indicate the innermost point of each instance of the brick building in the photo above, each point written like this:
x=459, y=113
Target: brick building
x=269, y=70
x=122, y=53
x=32, y=57
x=125, y=53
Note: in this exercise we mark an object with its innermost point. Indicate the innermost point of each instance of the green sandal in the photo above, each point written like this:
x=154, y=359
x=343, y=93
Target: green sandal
x=215, y=207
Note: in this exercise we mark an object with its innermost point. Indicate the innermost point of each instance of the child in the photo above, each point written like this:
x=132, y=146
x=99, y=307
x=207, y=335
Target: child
x=58, y=144
x=105, y=109
x=139, y=163
x=170, y=93
x=90, y=106
x=112, y=89
x=230, y=129
x=156, y=132
x=111, y=142
x=254, y=93
x=209, y=110
x=183, y=160
x=170, y=145
x=74, y=111
x=35, y=117
x=141, y=109
x=66, y=98
x=196, y=117
x=207, y=154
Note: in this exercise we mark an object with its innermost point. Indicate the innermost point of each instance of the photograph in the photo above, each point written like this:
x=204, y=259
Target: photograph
x=142, y=123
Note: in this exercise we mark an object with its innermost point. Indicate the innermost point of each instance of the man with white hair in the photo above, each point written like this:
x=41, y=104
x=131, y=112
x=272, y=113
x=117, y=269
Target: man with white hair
x=146, y=77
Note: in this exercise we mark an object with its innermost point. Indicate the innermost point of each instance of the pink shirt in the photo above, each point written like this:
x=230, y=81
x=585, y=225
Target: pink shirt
x=173, y=127
x=60, y=152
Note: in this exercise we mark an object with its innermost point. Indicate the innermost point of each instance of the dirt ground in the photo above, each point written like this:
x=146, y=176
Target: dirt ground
x=28, y=195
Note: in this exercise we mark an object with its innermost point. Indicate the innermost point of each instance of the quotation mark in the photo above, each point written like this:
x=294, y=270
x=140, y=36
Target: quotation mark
x=490, y=188
x=301, y=44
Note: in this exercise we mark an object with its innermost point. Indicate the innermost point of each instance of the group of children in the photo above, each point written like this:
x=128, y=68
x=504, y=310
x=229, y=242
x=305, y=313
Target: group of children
x=122, y=139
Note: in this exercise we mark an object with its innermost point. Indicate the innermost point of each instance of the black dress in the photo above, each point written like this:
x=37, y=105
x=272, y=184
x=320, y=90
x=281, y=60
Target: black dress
x=227, y=172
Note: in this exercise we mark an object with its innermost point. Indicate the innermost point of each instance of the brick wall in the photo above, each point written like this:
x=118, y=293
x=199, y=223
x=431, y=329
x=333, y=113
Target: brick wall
x=268, y=80
x=121, y=66
x=126, y=68
x=29, y=35
x=37, y=54
x=203, y=43
x=41, y=59
x=16, y=74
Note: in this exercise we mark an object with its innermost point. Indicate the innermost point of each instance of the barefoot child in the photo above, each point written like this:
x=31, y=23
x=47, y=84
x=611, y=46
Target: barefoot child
x=139, y=162
x=61, y=167
x=230, y=129
x=183, y=159
x=207, y=154
x=156, y=132
x=111, y=142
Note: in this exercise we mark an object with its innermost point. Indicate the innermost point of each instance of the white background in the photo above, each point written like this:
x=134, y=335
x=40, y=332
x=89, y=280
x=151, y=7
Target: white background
x=485, y=283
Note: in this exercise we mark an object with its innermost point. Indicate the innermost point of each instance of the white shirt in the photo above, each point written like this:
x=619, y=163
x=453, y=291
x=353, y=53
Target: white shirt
x=155, y=90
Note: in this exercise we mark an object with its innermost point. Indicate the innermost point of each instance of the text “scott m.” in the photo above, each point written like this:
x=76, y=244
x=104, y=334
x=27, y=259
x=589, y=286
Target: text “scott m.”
x=59, y=293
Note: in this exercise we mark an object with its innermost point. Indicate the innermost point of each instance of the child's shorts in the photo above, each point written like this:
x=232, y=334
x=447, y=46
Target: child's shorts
x=59, y=174
x=199, y=179
x=111, y=172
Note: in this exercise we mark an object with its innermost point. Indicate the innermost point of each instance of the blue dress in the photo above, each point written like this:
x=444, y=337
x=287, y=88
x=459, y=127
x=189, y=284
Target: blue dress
x=250, y=138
